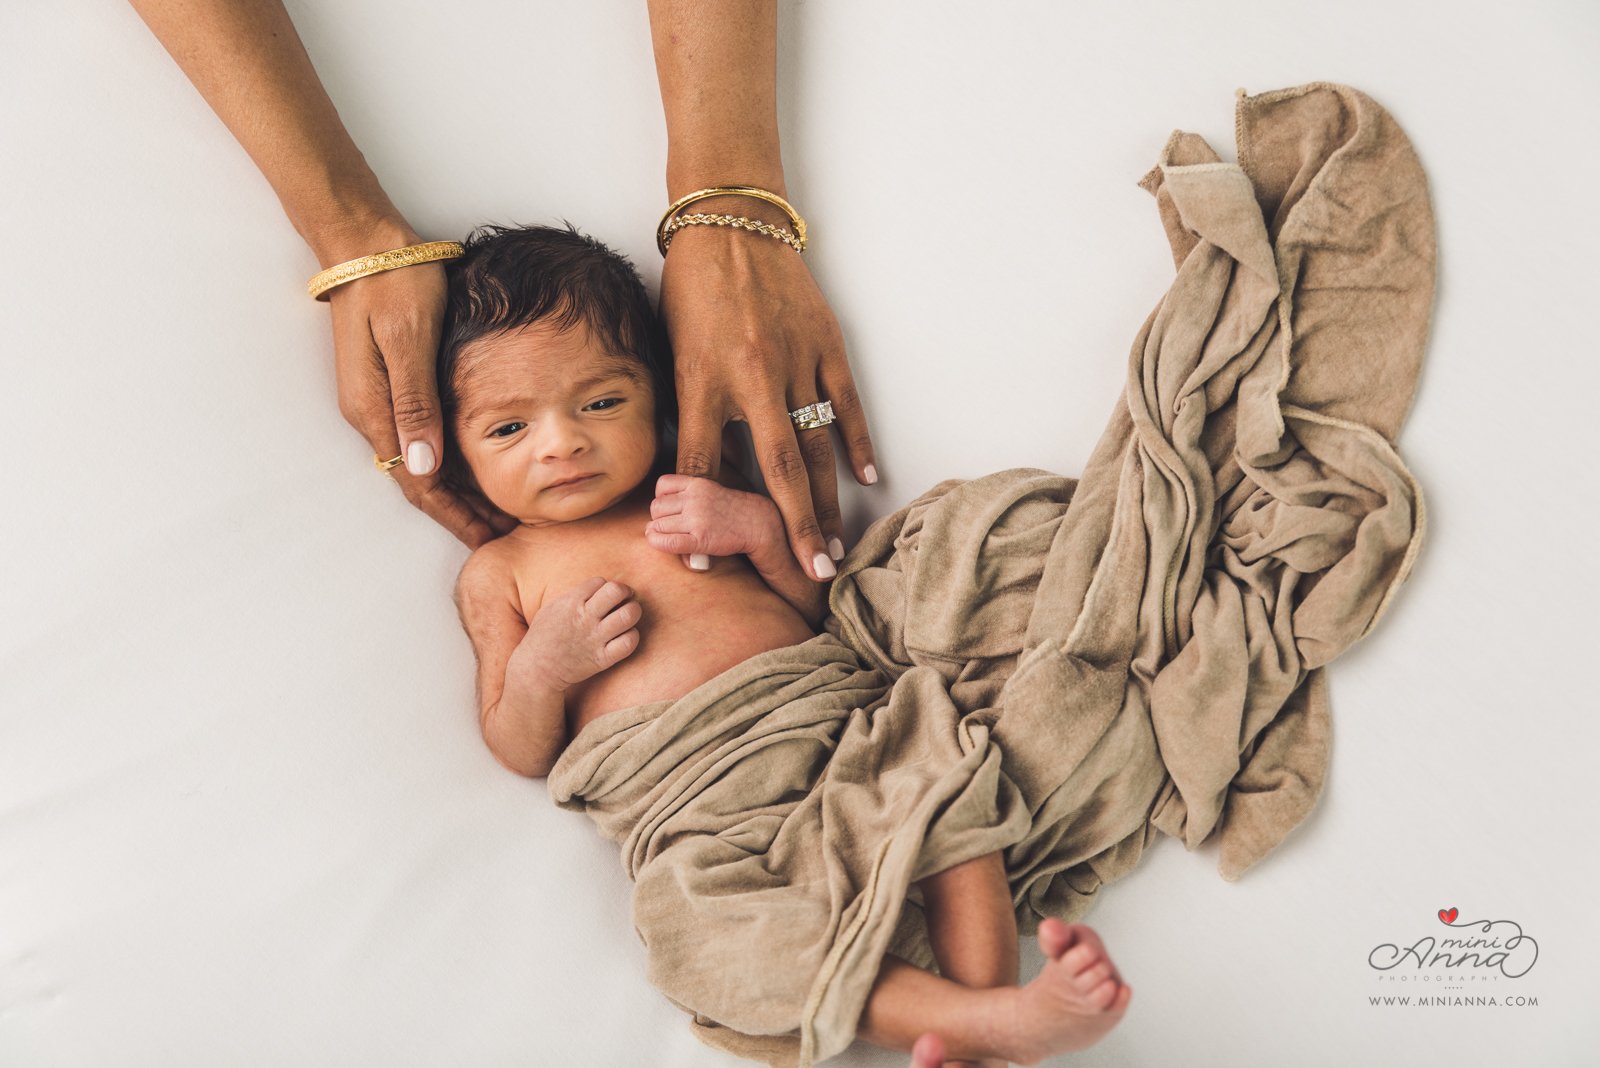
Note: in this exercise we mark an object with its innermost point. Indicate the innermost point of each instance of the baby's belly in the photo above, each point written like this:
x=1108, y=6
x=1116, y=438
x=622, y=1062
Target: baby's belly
x=690, y=632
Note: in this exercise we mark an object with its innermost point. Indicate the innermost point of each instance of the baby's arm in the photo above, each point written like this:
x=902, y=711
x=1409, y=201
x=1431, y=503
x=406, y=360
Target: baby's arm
x=698, y=515
x=525, y=670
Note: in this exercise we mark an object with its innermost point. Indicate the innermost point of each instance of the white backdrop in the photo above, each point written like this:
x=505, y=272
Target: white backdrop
x=245, y=815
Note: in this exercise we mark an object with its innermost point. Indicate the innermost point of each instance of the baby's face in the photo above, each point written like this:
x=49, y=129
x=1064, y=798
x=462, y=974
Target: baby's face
x=540, y=406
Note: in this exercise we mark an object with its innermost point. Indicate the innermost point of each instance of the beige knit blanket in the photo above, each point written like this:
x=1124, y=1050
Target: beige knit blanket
x=1061, y=667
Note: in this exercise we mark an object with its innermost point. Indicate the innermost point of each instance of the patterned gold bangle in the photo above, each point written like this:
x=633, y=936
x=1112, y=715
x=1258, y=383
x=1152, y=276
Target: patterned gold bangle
x=409, y=256
x=732, y=190
x=738, y=221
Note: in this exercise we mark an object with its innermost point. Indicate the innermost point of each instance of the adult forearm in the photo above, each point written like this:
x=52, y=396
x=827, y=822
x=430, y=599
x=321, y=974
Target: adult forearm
x=717, y=64
x=247, y=61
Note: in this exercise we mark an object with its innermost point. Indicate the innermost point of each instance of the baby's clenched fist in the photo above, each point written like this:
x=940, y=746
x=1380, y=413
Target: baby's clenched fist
x=577, y=635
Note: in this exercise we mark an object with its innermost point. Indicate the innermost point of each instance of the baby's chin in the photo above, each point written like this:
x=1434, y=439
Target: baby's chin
x=560, y=505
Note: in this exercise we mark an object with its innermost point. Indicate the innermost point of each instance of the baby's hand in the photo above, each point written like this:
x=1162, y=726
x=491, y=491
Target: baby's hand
x=576, y=636
x=702, y=517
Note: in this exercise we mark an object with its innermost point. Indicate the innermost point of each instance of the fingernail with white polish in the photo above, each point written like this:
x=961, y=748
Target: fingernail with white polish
x=823, y=565
x=419, y=458
x=870, y=473
x=700, y=561
x=836, y=548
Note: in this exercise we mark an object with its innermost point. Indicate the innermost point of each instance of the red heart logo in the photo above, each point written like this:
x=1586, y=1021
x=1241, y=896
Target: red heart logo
x=1447, y=915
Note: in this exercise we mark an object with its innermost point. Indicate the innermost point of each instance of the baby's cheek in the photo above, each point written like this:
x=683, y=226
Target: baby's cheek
x=502, y=490
x=641, y=459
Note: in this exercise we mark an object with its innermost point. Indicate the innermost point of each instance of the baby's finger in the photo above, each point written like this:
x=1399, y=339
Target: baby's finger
x=676, y=523
x=667, y=505
x=586, y=589
x=671, y=483
x=607, y=597
x=679, y=542
x=621, y=646
x=624, y=618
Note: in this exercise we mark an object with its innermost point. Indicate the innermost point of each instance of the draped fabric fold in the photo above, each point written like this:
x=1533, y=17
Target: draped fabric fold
x=1060, y=668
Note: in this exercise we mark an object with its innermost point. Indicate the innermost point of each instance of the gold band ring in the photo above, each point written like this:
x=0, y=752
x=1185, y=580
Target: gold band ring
x=387, y=465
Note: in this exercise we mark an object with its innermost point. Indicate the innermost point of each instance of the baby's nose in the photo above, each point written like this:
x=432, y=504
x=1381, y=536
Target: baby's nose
x=562, y=438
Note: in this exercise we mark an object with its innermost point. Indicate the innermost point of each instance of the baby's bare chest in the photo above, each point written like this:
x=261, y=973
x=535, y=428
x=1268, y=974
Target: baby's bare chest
x=618, y=552
x=693, y=625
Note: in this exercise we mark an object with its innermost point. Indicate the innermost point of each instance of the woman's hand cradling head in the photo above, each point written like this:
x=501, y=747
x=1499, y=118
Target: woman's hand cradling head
x=753, y=339
x=386, y=330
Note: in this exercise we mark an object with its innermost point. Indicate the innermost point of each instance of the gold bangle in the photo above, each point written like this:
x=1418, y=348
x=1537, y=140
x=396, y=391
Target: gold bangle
x=738, y=221
x=409, y=256
x=731, y=190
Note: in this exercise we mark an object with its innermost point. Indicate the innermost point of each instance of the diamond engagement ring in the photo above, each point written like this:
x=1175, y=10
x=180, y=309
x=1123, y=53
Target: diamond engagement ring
x=813, y=415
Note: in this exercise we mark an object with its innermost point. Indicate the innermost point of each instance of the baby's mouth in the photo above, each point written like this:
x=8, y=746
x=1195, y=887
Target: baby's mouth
x=570, y=482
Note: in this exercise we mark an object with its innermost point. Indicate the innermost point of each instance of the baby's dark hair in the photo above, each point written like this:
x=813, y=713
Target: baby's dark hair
x=512, y=276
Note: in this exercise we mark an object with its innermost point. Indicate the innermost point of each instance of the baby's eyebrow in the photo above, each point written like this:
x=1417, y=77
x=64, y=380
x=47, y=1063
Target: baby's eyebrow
x=473, y=412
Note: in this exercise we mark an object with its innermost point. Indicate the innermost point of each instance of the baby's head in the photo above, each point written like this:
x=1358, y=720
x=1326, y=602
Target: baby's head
x=552, y=366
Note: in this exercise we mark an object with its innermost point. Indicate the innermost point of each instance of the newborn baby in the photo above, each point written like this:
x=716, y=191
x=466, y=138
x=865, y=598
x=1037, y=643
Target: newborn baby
x=556, y=385
x=586, y=608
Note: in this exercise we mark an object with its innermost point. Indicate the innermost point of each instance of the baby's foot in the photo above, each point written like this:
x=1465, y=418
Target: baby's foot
x=929, y=1053
x=1077, y=997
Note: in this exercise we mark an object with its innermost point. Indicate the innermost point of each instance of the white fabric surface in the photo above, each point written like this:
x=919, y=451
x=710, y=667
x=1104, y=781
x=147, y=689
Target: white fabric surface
x=245, y=815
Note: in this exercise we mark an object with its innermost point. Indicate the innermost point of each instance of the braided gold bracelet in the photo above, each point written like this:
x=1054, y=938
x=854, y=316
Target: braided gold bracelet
x=662, y=228
x=738, y=221
x=409, y=256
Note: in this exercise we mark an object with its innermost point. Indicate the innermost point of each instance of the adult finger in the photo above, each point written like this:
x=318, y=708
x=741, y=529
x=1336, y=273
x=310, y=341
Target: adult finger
x=839, y=386
x=817, y=448
x=440, y=503
x=784, y=469
x=700, y=419
x=407, y=335
x=499, y=521
x=364, y=402
x=430, y=494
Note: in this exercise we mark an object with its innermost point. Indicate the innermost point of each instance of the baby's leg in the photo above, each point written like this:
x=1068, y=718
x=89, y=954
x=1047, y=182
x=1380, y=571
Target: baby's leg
x=973, y=929
x=971, y=922
x=1076, y=998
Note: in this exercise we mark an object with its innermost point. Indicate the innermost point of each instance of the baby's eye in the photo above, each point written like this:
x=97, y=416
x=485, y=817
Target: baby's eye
x=609, y=402
x=505, y=431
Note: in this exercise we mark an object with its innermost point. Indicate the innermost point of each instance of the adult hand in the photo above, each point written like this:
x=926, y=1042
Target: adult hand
x=753, y=339
x=246, y=59
x=386, y=330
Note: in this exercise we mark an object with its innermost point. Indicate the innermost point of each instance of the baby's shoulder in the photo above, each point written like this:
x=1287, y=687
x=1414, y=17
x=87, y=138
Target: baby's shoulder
x=492, y=571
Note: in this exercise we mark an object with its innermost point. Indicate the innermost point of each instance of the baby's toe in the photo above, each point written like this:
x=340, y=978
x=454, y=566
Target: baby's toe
x=928, y=1051
x=1084, y=935
x=1103, y=994
x=1055, y=937
x=1093, y=976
